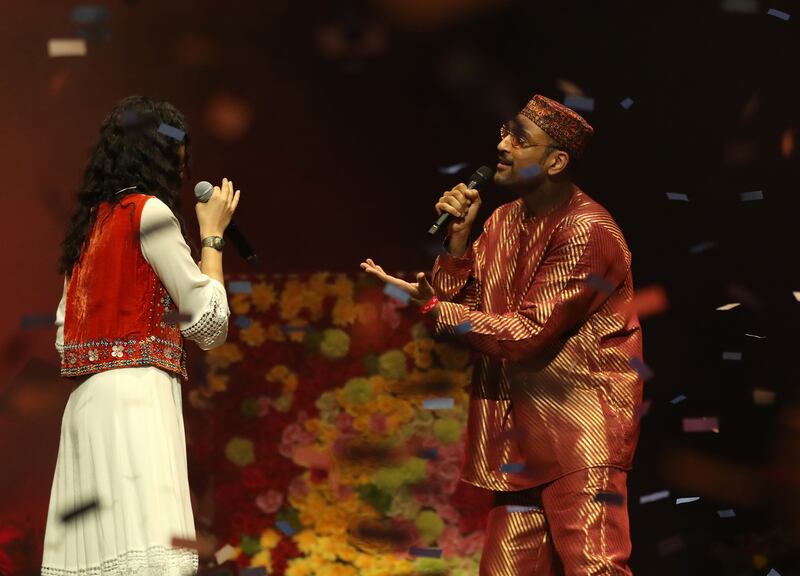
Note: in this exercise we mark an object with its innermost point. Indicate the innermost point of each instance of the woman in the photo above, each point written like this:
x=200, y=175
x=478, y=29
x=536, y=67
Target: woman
x=132, y=293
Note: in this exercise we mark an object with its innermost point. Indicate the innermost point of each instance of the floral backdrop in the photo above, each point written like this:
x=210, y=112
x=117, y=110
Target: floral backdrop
x=311, y=421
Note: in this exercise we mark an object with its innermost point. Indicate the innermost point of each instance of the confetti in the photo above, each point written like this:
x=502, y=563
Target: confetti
x=452, y=169
x=84, y=14
x=396, y=293
x=654, y=497
x=731, y=355
x=429, y=453
x=79, y=511
x=643, y=369
x=778, y=14
x=796, y=295
x=240, y=287
x=128, y=118
x=513, y=468
x=530, y=171
x=703, y=424
x=726, y=513
x=670, y=545
x=285, y=527
x=677, y=196
x=755, y=336
x=613, y=498
x=425, y=552
x=463, y=328
x=63, y=47
x=702, y=247
x=763, y=397
x=243, y=322
x=512, y=508
x=730, y=306
x=650, y=301
x=438, y=404
x=171, y=131
x=641, y=410
x=626, y=103
x=687, y=500
x=174, y=317
x=579, y=103
x=224, y=554
x=38, y=320
x=750, y=196
x=740, y=6
x=679, y=398
x=773, y=572
x=599, y=284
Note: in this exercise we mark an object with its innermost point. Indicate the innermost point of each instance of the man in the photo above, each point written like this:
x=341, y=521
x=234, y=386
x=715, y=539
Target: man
x=545, y=292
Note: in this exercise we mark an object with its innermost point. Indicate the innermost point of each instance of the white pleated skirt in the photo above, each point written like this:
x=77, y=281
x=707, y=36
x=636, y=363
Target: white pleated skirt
x=123, y=445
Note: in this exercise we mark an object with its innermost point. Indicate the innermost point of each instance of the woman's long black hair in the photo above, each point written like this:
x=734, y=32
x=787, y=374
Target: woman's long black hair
x=131, y=151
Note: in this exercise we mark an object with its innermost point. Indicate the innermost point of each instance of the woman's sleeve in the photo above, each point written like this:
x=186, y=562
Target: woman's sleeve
x=202, y=302
x=60, y=313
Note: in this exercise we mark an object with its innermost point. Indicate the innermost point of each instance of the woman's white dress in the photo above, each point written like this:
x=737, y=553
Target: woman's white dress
x=123, y=442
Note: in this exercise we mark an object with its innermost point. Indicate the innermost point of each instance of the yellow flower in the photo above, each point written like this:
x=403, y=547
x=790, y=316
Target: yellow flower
x=262, y=558
x=240, y=303
x=275, y=333
x=270, y=538
x=263, y=296
x=292, y=299
x=366, y=313
x=313, y=301
x=223, y=356
x=342, y=287
x=344, y=312
x=253, y=335
x=299, y=567
x=218, y=382
x=278, y=373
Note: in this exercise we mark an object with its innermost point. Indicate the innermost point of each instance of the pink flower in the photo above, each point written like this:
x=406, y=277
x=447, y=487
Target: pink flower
x=297, y=487
x=377, y=422
x=390, y=315
x=270, y=501
x=264, y=405
x=344, y=422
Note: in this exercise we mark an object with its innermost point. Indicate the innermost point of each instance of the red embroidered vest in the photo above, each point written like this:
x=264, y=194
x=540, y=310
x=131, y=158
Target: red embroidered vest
x=116, y=303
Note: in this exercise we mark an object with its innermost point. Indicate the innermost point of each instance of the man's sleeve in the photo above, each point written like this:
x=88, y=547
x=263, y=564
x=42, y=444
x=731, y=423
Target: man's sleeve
x=585, y=264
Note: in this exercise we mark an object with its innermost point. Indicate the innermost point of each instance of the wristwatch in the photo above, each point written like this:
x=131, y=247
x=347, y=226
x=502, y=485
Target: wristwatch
x=215, y=242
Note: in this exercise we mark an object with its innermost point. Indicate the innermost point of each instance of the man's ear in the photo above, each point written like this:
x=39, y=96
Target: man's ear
x=559, y=162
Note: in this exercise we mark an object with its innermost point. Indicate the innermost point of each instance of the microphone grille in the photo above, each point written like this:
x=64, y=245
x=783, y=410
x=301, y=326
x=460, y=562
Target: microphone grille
x=482, y=175
x=203, y=191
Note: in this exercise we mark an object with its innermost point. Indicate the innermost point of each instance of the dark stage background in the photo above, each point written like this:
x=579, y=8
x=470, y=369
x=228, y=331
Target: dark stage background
x=335, y=119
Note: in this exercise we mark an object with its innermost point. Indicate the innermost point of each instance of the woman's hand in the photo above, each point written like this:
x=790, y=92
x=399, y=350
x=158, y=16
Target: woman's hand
x=215, y=215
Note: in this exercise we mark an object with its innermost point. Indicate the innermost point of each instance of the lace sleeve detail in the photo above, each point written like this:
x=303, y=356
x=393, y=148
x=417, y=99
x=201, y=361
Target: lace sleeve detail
x=211, y=329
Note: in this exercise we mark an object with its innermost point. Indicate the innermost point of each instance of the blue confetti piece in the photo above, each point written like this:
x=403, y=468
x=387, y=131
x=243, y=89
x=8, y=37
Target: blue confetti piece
x=773, y=572
x=530, y=171
x=513, y=508
x=750, y=196
x=687, y=500
x=731, y=355
x=285, y=527
x=425, y=552
x=779, y=14
x=654, y=497
x=128, y=118
x=627, y=103
x=396, y=293
x=643, y=369
x=513, y=467
x=599, y=284
x=87, y=13
x=240, y=287
x=438, y=404
x=677, y=196
x=243, y=322
x=38, y=320
x=679, y=398
x=726, y=513
x=463, y=328
x=429, y=453
x=579, y=103
x=613, y=498
x=253, y=571
x=171, y=131
x=453, y=168
x=702, y=247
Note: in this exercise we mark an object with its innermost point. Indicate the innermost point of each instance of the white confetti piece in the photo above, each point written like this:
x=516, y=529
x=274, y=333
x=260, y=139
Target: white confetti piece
x=240, y=287
x=726, y=513
x=438, y=404
x=754, y=336
x=641, y=368
x=779, y=14
x=679, y=398
x=702, y=424
x=687, y=500
x=453, y=168
x=677, y=196
x=731, y=355
x=224, y=554
x=425, y=552
x=626, y=103
x=63, y=47
x=512, y=508
x=579, y=103
x=763, y=397
x=702, y=247
x=750, y=196
x=654, y=497
x=730, y=306
x=171, y=131
x=513, y=467
x=396, y=293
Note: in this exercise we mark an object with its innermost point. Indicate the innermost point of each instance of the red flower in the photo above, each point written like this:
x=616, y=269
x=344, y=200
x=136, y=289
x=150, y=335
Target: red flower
x=253, y=477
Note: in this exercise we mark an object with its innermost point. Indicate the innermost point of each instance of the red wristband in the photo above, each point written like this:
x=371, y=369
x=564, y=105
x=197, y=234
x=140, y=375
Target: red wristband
x=429, y=305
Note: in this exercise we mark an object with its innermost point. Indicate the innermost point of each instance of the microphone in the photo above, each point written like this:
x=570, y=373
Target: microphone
x=479, y=178
x=203, y=191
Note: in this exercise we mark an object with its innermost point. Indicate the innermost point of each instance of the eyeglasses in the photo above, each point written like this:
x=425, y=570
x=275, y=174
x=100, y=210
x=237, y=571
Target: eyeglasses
x=517, y=139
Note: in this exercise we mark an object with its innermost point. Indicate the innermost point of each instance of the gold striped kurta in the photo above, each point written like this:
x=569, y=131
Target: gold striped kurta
x=549, y=300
